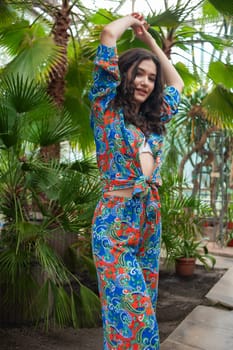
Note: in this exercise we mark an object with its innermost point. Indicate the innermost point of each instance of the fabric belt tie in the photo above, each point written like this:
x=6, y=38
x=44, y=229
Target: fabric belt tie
x=144, y=188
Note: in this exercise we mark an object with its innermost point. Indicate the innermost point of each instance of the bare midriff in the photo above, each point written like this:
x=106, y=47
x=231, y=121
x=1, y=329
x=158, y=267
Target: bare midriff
x=125, y=192
x=147, y=164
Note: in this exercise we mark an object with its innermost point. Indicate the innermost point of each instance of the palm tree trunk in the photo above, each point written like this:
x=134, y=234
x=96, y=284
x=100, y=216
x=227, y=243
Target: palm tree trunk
x=56, y=85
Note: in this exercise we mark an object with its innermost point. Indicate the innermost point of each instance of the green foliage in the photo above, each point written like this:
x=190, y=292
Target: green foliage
x=209, y=11
x=7, y=14
x=26, y=242
x=20, y=35
x=182, y=224
x=225, y=7
x=33, y=53
x=219, y=107
x=221, y=73
x=102, y=16
x=170, y=18
x=24, y=95
x=188, y=78
x=76, y=102
x=27, y=114
x=42, y=202
x=37, y=60
x=89, y=306
x=218, y=43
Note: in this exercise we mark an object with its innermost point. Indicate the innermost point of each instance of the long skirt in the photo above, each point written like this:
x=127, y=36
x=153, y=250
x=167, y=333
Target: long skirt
x=126, y=248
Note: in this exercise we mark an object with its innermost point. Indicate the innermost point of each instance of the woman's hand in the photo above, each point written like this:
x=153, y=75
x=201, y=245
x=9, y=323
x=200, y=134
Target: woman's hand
x=113, y=30
x=141, y=30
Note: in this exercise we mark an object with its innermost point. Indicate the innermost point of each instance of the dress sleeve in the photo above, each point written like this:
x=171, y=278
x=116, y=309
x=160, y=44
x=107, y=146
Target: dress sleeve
x=171, y=100
x=106, y=78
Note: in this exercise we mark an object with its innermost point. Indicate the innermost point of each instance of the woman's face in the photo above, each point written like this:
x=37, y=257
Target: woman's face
x=144, y=81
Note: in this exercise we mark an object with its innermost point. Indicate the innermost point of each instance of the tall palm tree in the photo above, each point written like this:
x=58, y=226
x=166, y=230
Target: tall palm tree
x=42, y=46
x=56, y=79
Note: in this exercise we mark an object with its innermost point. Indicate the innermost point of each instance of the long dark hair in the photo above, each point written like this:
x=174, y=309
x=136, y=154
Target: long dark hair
x=148, y=118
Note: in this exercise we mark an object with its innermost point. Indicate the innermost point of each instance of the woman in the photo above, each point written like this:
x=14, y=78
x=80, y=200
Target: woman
x=129, y=109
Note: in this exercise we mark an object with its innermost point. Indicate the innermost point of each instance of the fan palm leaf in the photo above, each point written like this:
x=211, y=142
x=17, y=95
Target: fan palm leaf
x=37, y=61
x=225, y=7
x=89, y=306
x=49, y=128
x=169, y=18
x=43, y=302
x=76, y=100
x=15, y=37
x=22, y=95
x=221, y=73
x=61, y=305
x=14, y=267
x=8, y=14
x=27, y=111
x=219, y=107
x=85, y=166
x=34, y=53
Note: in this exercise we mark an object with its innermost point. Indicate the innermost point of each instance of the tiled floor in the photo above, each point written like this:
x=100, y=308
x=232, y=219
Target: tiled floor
x=206, y=328
x=209, y=327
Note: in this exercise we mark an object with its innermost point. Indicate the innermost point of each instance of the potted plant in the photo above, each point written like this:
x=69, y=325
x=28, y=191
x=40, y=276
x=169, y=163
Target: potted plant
x=182, y=238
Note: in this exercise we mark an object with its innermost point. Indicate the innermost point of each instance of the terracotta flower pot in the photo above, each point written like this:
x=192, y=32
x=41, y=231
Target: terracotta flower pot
x=230, y=243
x=185, y=266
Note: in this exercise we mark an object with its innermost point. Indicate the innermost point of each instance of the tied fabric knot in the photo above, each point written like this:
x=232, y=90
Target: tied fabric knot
x=145, y=188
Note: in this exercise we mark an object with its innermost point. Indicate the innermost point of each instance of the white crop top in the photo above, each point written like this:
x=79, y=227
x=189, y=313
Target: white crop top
x=146, y=159
x=145, y=148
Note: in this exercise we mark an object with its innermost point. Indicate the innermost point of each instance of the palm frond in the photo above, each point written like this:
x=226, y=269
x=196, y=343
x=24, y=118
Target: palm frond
x=50, y=128
x=188, y=78
x=16, y=271
x=87, y=188
x=43, y=302
x=7, y=14
x=219, y=107
x=19, y=97
x=76, y=101
x=50, y=263
x=209, y=11
x=41, y=176
x=221, y=73
x=9, y=127
x=89, y=307
x=217, y=42
x=170, y=18
x=29, y=232
x=37, y=60
x=23, y=95
x=61, y=305
x=225, y=7
x=12, y=36
x=102, y=16
x=86, y=166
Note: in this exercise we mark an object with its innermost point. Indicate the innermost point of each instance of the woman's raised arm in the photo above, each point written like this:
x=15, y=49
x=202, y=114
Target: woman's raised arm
x=113, y=31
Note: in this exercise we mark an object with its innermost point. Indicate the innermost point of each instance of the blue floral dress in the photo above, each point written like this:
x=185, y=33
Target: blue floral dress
x=126, y=231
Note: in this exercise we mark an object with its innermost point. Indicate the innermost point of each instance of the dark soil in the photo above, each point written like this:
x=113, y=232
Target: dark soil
x=177, y=298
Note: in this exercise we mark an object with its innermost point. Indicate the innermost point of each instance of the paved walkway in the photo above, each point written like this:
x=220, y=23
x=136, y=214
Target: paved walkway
x=209, y=327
